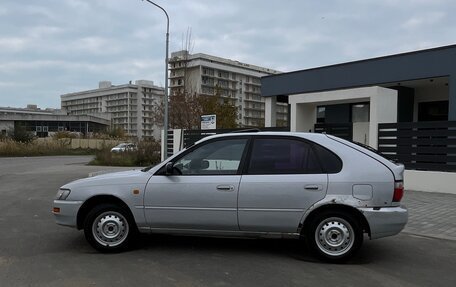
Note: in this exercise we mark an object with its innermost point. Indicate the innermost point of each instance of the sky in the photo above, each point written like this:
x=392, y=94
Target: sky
x=52, y=47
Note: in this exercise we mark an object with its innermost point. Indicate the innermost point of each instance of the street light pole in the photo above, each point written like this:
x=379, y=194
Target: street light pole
x=165, y=122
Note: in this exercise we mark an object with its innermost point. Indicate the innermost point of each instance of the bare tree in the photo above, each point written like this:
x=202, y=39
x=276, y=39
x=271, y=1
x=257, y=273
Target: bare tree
x=186, y=106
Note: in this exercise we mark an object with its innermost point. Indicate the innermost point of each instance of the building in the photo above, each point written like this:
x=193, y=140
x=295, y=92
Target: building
x=131, y=106
x=404, y=105
x=207, y=75
x=44, y=123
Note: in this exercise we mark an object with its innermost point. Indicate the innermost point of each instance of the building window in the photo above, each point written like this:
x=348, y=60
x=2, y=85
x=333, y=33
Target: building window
x=433, y=111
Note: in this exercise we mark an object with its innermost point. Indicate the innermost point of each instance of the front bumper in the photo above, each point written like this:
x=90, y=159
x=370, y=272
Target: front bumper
x=385, y=221
x=66, y=212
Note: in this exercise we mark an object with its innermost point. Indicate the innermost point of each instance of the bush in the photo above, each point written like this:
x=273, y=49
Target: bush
x=20, y=134
x=148, y=153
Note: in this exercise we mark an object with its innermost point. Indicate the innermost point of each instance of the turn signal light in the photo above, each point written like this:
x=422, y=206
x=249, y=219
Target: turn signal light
x=56, y=210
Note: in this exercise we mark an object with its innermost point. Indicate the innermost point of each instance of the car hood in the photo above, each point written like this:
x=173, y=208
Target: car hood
x=113, y=178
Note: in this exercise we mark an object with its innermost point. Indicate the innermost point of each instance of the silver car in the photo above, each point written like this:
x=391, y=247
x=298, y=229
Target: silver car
x=124, y=147
x=317, y=187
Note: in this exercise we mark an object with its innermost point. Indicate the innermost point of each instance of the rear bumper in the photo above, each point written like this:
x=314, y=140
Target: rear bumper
x=68, y=212
x=385, y=221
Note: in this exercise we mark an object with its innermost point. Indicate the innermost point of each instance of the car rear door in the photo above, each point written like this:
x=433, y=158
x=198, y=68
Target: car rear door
x=282, y=179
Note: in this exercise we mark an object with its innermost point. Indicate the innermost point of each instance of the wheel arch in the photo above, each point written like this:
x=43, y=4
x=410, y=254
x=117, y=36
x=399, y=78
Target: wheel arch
x=90, y=203
x=337, y=208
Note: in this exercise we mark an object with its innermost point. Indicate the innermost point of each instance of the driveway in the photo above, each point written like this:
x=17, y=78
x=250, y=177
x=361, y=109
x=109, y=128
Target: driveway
x=34, y=251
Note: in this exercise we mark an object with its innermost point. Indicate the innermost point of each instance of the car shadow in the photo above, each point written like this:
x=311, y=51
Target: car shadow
x=290, y=248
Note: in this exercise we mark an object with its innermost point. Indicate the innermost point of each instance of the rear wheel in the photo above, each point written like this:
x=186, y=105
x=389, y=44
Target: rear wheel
x=109, y=228
x=334, y=236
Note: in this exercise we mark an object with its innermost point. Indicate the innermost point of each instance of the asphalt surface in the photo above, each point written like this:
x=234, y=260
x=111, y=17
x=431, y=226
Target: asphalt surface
x=34, y=251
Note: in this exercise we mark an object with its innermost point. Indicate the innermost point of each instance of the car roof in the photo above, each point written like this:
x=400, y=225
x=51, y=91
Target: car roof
x=310, y=136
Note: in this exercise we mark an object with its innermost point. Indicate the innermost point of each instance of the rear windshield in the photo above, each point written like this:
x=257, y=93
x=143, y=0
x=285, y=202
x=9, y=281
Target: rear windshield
x=363, y=146
x=374, y=151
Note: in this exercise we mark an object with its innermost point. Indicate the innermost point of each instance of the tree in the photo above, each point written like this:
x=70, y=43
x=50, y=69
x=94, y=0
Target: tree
x=20, y=134
x=222, y=107
x=186, y=106
x=184, y=111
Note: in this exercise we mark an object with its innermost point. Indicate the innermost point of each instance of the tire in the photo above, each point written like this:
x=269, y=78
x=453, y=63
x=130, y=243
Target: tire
x=334, y=236
x=109, y=228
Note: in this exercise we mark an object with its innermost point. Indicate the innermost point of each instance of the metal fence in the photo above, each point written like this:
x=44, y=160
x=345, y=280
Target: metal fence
x=192, y=136
x=420, y=145
x=342, y=130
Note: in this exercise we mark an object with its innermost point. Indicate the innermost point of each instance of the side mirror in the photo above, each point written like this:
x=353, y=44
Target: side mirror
x=169, y=168
x=204, y=164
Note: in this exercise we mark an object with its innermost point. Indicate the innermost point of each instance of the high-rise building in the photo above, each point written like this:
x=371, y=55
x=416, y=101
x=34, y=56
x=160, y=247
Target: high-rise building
x=131, y=106
x=208, y=75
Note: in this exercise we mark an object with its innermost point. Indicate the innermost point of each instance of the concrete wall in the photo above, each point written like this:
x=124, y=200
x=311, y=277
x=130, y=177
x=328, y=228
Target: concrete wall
x=6, y=125
x=84, y=143
x=93, y=143
x=430, y=181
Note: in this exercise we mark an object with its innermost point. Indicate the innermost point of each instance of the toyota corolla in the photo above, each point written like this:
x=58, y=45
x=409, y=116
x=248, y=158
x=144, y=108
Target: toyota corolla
x=325, y=190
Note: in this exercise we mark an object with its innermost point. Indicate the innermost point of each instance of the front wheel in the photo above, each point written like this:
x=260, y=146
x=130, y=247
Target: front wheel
x=334, y=236
x=109, y=228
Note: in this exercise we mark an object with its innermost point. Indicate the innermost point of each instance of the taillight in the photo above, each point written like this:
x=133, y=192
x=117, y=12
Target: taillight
x=398, y=191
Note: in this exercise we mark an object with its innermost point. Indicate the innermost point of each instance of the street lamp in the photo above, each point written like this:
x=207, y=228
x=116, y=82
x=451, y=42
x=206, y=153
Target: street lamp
x=165, y=124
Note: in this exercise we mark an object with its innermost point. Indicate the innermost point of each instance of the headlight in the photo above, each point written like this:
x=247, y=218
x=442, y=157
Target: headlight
x=62, y=194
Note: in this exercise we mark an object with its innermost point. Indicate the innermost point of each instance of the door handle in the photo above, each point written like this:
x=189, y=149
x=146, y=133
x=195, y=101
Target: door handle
x=225, y=187
x=312, y=187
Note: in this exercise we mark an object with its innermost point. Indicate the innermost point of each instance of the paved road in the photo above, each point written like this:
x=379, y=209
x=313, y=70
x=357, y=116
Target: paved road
x=36, y=252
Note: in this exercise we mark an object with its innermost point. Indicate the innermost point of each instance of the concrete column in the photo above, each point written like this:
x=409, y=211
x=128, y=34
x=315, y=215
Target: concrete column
x=383, y=109
x=270, y=111
x=303, y=117
x=452, y=97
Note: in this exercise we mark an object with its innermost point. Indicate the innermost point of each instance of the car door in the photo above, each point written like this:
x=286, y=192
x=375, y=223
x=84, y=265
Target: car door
x=202, y=191
x=282, y=179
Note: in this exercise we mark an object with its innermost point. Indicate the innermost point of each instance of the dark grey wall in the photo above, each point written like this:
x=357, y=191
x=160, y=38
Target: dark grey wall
x=452, y=97
x=405, y=101
x=397, y=68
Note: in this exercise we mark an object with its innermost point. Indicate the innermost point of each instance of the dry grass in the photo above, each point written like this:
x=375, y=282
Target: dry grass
x=10, y=148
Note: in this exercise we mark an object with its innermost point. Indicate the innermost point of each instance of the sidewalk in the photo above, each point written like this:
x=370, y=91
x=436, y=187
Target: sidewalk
x=431, y=214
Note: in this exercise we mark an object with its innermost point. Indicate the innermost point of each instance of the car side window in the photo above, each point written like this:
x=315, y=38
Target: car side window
x=331, y=163
x=215, y=158
x=282, y=156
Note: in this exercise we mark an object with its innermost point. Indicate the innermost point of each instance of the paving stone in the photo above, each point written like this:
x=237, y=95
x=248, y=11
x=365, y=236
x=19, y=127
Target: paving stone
x=431, y=214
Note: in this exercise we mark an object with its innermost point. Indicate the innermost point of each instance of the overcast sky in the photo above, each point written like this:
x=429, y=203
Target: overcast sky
x=53, y=47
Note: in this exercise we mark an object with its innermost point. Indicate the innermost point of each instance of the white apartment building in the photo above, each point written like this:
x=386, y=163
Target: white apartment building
x=131, y=106
x=206, y=75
